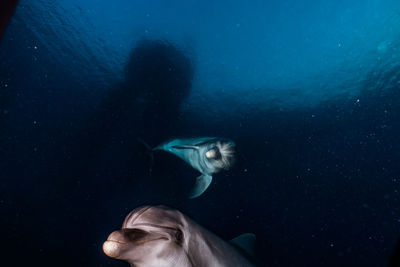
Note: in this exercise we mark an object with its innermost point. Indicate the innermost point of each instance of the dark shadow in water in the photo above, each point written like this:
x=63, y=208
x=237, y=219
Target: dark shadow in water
x=146, y=105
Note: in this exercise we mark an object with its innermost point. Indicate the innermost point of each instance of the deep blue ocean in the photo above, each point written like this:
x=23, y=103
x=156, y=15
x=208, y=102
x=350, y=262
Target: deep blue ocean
x=308, y=90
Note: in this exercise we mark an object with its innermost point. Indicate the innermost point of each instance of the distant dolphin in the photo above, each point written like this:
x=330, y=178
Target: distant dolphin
x=208, y=155
x=157, y=236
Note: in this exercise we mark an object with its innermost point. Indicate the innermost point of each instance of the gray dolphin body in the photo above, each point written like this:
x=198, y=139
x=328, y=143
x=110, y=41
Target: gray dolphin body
x=208, y=155
x=157, y=236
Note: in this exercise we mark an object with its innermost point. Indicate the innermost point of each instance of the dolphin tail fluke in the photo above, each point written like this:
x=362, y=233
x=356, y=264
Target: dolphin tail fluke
x=147, y=150
x=201, y=184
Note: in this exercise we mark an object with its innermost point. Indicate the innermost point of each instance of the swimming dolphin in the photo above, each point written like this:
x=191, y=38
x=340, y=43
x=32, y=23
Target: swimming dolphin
x=157, y=236
x=208, y=155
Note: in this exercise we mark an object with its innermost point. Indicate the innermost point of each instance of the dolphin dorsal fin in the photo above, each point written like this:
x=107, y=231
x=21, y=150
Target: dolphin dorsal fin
x=185, y=147
x=246, y=243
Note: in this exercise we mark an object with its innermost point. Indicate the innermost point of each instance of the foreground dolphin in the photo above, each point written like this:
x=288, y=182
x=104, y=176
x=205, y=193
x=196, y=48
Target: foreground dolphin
x=208, y=155
x=157, y=236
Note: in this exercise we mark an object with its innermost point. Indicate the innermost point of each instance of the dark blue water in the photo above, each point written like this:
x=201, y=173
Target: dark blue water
x=309, y=91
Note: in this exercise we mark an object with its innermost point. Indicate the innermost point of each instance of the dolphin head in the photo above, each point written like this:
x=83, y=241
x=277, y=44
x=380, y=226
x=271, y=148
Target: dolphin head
x=150, y=236
x=220, y=154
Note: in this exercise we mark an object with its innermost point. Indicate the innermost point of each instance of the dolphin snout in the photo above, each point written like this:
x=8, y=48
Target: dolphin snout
x=112, y=246
x=124, y=239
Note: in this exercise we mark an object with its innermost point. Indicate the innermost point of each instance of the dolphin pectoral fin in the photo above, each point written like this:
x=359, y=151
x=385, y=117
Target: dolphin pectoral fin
x=201, y=184
x=185, y=147
x=245, y=242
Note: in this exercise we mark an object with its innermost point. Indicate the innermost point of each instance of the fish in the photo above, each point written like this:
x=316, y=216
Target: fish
x=159, y=236
x=208, y=155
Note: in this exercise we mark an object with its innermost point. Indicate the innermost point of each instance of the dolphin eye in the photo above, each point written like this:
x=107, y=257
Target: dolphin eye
x=179, y=235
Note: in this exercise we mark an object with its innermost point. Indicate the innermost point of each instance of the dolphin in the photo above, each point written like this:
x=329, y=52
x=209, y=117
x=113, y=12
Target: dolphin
x=158, y=236
x=208, y=155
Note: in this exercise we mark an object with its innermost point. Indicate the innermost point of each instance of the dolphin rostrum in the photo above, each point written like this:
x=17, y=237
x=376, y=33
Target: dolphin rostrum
x=157, y=236
x=208, y=155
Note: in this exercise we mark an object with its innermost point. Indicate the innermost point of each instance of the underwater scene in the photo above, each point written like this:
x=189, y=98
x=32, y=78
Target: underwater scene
x=200, y=133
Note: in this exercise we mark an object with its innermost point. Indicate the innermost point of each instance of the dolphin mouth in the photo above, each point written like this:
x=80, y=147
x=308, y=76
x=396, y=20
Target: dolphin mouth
x=136, y=242
x=113, y=248
x=118, y=240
